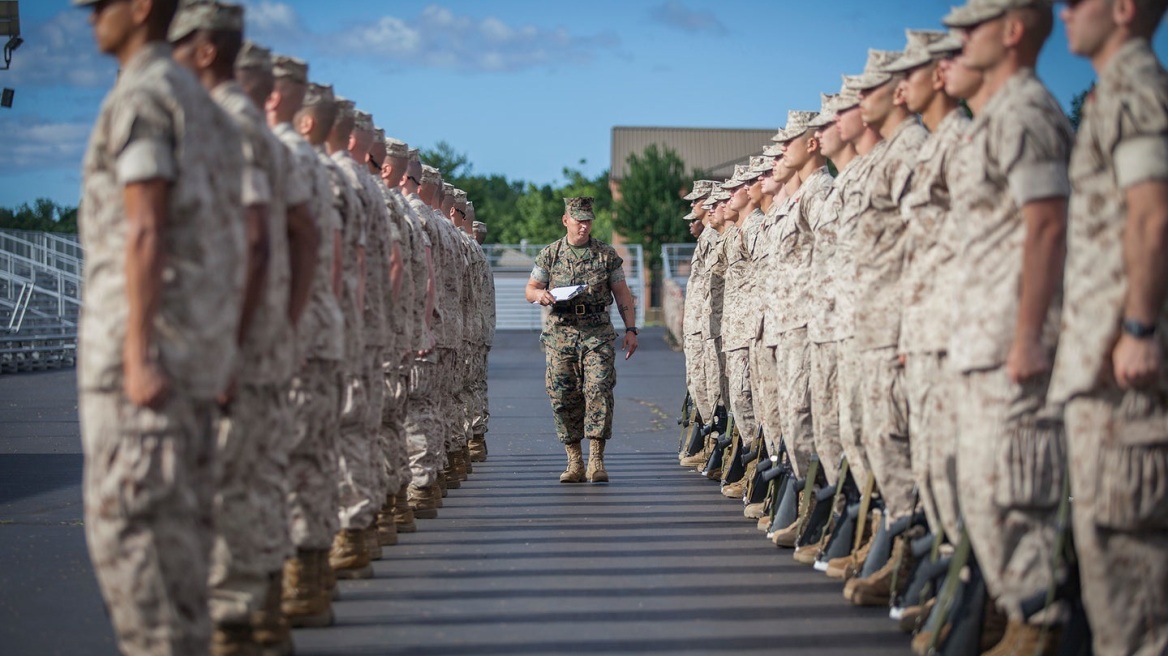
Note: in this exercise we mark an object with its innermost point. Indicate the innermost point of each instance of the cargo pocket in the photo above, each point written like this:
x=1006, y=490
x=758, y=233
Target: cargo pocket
x=1133, y=466
x=1031, y=464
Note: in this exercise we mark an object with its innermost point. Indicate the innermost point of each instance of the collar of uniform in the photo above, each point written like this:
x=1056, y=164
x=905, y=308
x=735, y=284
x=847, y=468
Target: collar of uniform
x=1020, y=77
x=149, y=52
x=1125, y=52
x=586, y=254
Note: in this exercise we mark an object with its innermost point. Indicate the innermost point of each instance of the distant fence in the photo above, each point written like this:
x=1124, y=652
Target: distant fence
x=511, y=266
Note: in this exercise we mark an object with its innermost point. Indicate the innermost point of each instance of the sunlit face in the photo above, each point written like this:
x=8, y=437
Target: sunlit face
x=740, y=197
x=771, y=184
x=1089, y=24
x=920, y=87
x=830, y=143
x=578, y=231
x=984, y=44
x=797, y=152
x=850, y=125
x=112, y=22
x=960, y=80
x=876, y=104
x=695, y=227
x=755, y=190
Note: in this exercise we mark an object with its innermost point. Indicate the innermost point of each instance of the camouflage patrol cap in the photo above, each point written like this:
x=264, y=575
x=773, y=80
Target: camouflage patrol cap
x=762, y=164
x=846, y=99
x=579, y=208
x=798, y=122
x=363, y=120
x=319, y=94
x=413, y=155
x=206, y=15
x=345, y=108
x=873, y=75
x=916, y=52
x=689, y=217
x=253, y=57
x=825, y=117
x=773, y=150
x=700, y=188
x=378, y=136
x=742, y=175
x=950, y=44
x=458, y=195
x=396, y=148
x=480, y=228
x=431, y=175
x=976, y=12
x=447, y=189
x=290, y=68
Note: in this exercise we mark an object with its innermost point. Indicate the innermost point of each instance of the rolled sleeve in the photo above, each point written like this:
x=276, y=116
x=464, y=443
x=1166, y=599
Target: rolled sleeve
x=539, y=274
x=256, y=188
x=1035, y=181
x=1141, y=159
x=146, y=159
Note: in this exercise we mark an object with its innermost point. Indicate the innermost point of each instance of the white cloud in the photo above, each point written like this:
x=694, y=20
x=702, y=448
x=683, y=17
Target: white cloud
x=675, y=15
x=61, y=52
x=45, y=145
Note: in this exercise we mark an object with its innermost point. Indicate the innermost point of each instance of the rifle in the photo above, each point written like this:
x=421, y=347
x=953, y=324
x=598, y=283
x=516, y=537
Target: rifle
x=713, y=467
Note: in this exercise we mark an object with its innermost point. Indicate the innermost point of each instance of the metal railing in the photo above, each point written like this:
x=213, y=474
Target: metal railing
x=675, y=261
x=511, y=265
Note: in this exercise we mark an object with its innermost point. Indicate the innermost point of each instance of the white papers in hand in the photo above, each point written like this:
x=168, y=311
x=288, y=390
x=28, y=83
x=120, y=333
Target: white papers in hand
x=567, y=293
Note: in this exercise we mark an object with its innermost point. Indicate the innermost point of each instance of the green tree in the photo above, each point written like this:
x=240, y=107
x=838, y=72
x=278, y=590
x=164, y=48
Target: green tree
x=453, y=164
x=651, y=205
x=44, y=215
x=1076, y=115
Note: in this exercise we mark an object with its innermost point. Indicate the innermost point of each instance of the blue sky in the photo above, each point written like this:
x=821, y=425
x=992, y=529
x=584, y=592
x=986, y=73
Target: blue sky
x=523, y=87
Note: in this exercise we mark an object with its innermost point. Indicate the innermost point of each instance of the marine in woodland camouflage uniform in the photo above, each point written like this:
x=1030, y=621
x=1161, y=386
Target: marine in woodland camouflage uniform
x=1110, y=362
x=157, y=336
x=578, y=335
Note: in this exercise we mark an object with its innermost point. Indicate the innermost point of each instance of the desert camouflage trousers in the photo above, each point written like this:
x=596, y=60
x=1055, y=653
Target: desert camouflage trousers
x=1119, y=480
x=717, y=389
x=480, y=411
x=851, y=412
x=885, y=430
x=764, y=392
x=395, y=454
x=823, y=382
x=148, y=488
x=423, y=423
x=1007, y=473
x=741, y=396
x=793, y=356
x=373, y=379
x=312, y=461
x=251, y=500
x=580, y=379
x=457, y=374
x=932, y=421
x=355, y=454
x=695, y=375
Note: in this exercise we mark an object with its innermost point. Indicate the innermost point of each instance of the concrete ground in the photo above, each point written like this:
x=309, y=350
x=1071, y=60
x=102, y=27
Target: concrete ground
x=656, y=562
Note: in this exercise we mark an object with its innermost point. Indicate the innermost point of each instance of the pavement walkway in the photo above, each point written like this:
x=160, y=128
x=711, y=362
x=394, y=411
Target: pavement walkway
x=655, y=562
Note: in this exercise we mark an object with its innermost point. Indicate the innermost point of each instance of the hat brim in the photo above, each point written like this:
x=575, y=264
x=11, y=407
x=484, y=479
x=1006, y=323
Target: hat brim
x=868, y=81
x=694, y=195
x=908, y=63
x=969, y=16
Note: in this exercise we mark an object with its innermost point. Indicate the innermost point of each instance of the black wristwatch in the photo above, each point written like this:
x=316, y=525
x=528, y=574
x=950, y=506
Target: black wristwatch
x=1139, y=330
x=633, y=330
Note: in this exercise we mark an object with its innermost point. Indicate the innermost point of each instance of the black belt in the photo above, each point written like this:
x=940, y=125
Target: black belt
x=580, y=309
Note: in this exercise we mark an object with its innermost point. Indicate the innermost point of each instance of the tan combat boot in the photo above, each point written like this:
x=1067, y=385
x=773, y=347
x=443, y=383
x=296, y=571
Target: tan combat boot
x=478, y=448
x=386, y=526
x=233, y=640
x=441, y=487
x=306, y=601
x=735, y=490
x=596, y=472
x=845, y=567
x=403, y=515
x=423, y=501
x=754, y=510
x=466, y=461
x=373, y=543
x=349, y=556
x=1026, y=639
x=450, y=474
x=270, y=628
x=876, y=590
x=575, y=471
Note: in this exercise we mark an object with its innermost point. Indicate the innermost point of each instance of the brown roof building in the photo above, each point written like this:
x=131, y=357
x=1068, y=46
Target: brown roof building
x=713, y=150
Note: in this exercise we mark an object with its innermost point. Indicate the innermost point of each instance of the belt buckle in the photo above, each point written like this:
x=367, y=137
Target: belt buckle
x=580, y=309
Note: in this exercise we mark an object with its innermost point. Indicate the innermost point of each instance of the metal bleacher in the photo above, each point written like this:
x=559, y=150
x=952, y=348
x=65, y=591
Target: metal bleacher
x=40, y=300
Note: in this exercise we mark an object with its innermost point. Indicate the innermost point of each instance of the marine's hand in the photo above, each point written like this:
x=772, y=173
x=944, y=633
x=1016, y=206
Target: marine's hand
x=1027, y=359
x=630, y=345
x=1137, y=362
x=145, y=384
x=546, y=298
